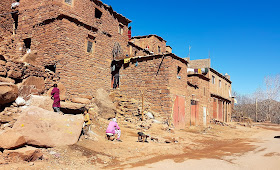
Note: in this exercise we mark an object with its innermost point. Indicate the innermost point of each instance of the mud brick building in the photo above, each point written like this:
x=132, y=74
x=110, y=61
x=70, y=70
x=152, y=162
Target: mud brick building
x=162, y=79
x=154, y=43
x=87, y=46
x=219, y=88
x=76, y=39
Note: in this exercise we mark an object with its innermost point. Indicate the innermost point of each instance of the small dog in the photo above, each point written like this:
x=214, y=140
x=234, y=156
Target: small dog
x=142, y=137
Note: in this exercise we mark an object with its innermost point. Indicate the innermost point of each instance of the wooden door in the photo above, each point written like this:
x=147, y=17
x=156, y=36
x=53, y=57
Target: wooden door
x=204, y=115
x=179, y=112
x=194, y=112
x=214, y=109
x=220, y=118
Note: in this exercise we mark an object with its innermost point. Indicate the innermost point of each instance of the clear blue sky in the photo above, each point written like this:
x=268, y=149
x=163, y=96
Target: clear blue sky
x=243, y=36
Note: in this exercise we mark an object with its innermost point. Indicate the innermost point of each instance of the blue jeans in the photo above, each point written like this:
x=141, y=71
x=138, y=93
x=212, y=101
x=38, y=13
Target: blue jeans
x=56, y=109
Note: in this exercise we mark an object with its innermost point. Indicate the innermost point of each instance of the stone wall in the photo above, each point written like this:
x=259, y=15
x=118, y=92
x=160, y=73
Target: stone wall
x=200, y=94
x=59, y=33
x=201, y=63
x=6, y=20
x=152, y=41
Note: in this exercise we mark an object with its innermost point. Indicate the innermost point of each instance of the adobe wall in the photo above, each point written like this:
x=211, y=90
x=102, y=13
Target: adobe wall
x=6, y=20
x=178, y=85
x=222, y=91
x=216, y=89
x=201, y=63
x=202, y=96
x=134, y=51
x=153, y=43
x=143, y=77
x=61, y=40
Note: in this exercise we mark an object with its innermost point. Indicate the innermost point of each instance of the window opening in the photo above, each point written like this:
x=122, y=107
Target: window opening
x=135, y=53
x=98, y=13
x=159, y=49
x=27, y=44
x=120, y=29
x=51, y=67
x=15, y=17
x=2, y=58
x=89, y=46
x=115, y=71
x=220, y=83
x=68, y=2
x=178, y=72
x=178, y=69
x=213, y=79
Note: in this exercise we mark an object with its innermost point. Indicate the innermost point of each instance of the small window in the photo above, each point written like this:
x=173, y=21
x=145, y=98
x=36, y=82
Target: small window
x=27, y=44
x=89, y=46
x=120, y=29
x=135, y=53
x=159, y=49
x=178, y=70
x=220, y=83
x=213, y=79
x=98, y=13
x=68, y=2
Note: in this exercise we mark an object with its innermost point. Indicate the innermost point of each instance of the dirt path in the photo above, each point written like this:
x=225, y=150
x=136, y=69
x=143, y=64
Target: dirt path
x=264, y=154
x=214, y=147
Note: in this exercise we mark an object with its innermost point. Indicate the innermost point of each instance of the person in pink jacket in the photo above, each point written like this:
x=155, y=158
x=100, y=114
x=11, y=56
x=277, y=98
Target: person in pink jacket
x=56, y=98
x=113, y=129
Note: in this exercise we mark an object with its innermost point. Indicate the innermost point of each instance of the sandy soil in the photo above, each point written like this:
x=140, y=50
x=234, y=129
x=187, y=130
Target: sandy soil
x=264, y=154
x=214, y=147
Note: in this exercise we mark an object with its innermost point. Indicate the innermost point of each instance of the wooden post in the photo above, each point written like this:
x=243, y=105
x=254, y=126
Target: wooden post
x=142, y=105
x=256, y=109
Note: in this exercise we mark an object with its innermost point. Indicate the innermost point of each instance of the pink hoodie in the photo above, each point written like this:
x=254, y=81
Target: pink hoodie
x=112, y=127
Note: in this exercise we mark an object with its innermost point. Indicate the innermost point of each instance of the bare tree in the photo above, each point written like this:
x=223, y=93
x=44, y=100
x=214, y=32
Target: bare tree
x=272, y=84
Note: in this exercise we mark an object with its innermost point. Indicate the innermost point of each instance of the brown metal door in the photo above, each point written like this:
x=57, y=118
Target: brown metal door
x=214, y=109
x=220, y=110
x=179, y=112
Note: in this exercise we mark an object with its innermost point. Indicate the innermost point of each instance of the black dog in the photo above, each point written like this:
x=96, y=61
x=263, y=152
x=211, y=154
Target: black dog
x=142, y=137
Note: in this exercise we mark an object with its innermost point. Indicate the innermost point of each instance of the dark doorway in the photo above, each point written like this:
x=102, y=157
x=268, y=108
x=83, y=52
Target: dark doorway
x=115, y=71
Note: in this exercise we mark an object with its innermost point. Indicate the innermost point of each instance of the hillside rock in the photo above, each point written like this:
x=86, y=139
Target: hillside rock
x=48, y=129
x=10, y=139
x=7, y=80
x=26, y=91
x=29, y=154
x=43, y=102
x=104, y=103
x=38, y=82
x=81, y=100
x=72, y=108
x=8, y=92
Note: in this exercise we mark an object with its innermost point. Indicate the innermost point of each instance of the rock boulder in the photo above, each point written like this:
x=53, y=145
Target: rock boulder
x=10, y=139
x=44, y=128
x=104, y=103
x=43, y=102
x=80, y=100
x=7, y=80
x=72, y=108
x=8, y=92
x=29, y=154
x=38, y=82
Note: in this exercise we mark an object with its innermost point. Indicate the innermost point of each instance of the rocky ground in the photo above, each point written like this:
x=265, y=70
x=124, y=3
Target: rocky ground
x=215, y=142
